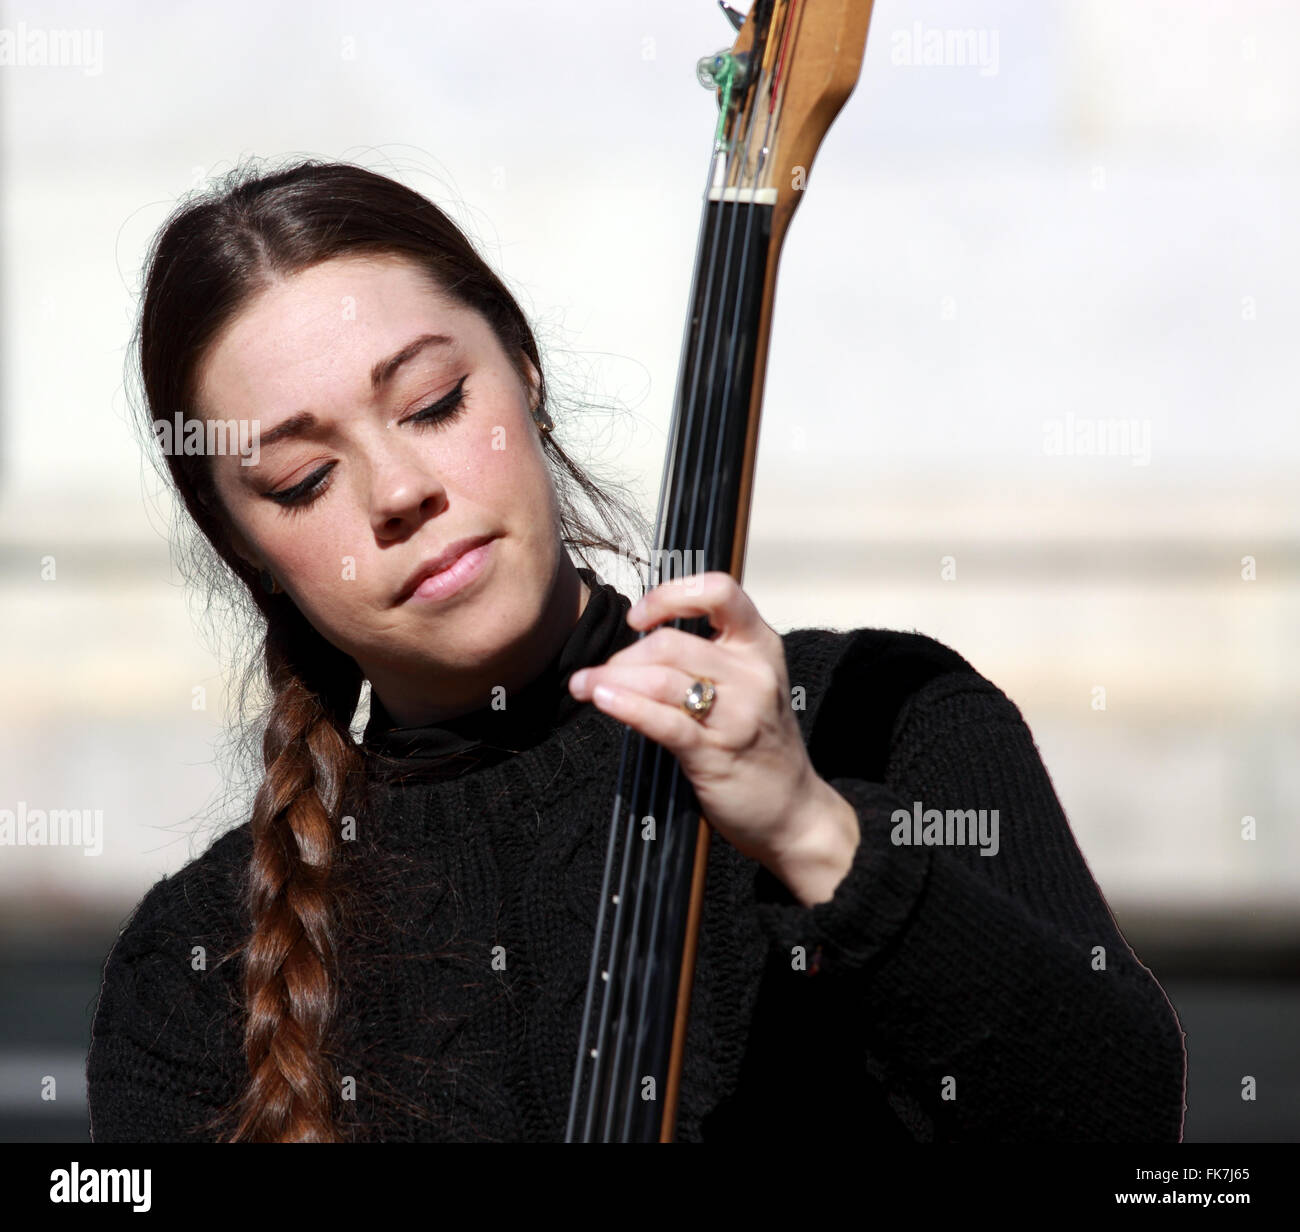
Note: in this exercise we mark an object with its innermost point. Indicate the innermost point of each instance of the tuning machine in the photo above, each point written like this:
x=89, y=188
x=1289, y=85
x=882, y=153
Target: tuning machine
x=722, y=69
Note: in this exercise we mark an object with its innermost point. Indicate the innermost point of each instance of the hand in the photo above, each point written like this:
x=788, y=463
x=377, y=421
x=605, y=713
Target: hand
x=747, y=761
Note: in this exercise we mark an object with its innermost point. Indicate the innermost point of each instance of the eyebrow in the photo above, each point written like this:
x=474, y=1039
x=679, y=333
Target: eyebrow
x=301, y=423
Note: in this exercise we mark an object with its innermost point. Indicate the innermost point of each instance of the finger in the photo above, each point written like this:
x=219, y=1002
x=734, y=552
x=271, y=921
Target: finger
x=660, y=682
x=716, y=595
x=667, y=725
x=678, y=648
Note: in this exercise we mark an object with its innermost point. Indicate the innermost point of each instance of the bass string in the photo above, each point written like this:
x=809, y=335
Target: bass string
x=625, y=809
x=636, y=999
x=589, y=1053
x=623, y=1078
x=703, y=476
x=622, y=1082
x=593, y=1055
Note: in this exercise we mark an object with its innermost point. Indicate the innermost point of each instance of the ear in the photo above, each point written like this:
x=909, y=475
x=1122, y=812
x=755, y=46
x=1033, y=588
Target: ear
x=242, y=548
x=534, y=382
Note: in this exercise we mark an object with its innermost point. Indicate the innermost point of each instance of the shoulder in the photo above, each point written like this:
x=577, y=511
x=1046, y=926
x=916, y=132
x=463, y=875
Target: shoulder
x=205, y=897
x=905, y=653
x=164, y=1040
x=863, y=684
x=189, y=921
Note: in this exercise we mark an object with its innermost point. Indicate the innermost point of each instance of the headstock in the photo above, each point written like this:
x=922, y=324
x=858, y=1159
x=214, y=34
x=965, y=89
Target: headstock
x=779, y=88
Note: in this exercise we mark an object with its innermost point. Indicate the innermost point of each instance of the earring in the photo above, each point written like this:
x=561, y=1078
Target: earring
x=269, y=584
x=542, y=419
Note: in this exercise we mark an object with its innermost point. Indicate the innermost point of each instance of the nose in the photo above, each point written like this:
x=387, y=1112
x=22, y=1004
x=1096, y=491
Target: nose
x=404, y=490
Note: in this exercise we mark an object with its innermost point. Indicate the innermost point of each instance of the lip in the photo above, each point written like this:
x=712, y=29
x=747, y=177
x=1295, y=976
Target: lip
x=450, y=568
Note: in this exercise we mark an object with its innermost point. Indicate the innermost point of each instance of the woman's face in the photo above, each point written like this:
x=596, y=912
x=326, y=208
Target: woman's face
x=392, y=491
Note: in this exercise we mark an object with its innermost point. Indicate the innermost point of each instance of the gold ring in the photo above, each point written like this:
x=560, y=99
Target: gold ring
x=699, y=699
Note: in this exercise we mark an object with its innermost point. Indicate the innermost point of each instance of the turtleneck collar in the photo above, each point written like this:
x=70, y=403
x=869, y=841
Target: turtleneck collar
x=529, y=715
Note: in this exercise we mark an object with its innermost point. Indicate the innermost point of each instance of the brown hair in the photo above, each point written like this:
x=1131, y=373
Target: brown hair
x=217, y=250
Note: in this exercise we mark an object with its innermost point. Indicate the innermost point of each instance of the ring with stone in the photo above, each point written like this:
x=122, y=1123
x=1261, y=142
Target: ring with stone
x=699, y=699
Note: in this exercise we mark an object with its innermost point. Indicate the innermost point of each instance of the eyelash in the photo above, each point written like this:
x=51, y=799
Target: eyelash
x=306, y=493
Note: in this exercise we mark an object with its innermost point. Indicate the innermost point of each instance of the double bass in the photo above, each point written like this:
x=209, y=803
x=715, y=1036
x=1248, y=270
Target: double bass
x=779, y=87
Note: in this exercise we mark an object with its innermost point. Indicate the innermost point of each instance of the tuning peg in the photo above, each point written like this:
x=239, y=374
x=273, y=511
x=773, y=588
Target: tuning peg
x=723, y=68
x=711, y=70
x=736, y=18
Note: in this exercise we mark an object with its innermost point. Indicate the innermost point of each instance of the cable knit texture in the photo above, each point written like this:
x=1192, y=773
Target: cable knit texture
x=939, y=995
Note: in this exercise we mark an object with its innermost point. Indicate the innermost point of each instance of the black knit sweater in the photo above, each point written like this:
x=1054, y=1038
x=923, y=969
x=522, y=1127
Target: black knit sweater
x=950, y=995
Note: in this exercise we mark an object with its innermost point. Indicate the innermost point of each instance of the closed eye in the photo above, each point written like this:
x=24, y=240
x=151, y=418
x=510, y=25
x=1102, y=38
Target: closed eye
x=436, y=415
x=444, y=410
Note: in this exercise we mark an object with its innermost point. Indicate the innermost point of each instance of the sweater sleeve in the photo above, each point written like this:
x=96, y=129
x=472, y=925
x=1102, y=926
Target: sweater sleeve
x=994, y=995
x=164, y=1035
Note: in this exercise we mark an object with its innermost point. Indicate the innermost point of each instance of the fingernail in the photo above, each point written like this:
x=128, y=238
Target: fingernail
x=577, y=680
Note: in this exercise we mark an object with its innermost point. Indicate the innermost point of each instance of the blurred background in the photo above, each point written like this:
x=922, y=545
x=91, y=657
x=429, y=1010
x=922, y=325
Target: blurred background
x=1031, y=391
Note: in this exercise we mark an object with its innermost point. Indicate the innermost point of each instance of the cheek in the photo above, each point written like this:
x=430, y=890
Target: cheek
x=324, y=561
x=511, y=482
x=320, y=552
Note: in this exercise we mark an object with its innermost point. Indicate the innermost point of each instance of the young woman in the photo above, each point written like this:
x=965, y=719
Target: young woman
x=394, y=946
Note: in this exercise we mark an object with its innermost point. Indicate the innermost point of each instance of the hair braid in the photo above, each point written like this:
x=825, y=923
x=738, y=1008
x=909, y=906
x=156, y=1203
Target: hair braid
x=290, y=973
